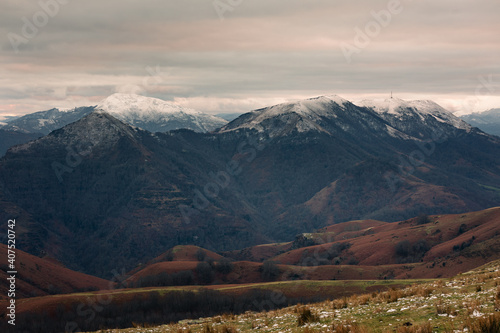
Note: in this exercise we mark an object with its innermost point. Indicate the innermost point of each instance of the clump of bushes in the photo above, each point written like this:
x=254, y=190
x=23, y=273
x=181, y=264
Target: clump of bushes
x=407, y=252
x=332, y=255
x=423, y=219
x=163, y=279
x=224, y=266
x=305, y=315
x=205, y=272
x=487, y=324
x=464, y=245
x=270, y=270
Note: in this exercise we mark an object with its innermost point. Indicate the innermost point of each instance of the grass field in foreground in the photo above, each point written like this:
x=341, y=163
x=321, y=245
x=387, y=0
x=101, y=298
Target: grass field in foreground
x=466, y=303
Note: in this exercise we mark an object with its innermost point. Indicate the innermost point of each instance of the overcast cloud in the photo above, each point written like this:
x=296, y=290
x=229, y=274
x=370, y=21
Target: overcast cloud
x=260, y=53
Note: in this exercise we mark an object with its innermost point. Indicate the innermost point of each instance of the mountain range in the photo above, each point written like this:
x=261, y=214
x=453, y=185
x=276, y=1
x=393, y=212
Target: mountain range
x=99, y=194
x=151, y=114
x=488, y=121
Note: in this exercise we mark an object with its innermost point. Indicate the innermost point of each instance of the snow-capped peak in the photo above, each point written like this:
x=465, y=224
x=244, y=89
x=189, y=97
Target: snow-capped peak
x=139, y=105
x=397, y=105
x=154, y=114
x=421, y=108
x=309, y=108
x=306, y=115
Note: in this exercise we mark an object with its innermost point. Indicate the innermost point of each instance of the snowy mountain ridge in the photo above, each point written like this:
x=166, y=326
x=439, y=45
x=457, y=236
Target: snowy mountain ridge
x=399, y=108
x=331, y=114
x=151, y=114
x=305, y=114
x=157, y=115
x=140, y=107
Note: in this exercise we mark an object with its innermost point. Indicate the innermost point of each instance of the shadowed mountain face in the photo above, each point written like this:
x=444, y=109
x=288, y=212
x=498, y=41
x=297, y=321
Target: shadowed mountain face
x=108, y=196
x=12, y=138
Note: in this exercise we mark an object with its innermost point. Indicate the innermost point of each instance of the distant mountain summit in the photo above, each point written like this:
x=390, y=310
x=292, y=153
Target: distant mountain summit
x=156, y=115
x=151, y=114
x=98, y=129
x=418, y=118
x=333, y=115
x=488, y=121
x=45, y=122
x=329, y=115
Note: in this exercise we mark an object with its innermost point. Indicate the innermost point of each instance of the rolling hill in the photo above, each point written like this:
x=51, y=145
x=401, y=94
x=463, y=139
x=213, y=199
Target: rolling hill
x=39, y=277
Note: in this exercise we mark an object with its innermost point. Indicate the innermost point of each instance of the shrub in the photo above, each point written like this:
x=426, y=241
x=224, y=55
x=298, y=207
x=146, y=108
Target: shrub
x=306, y=316
x=270, y=270
x=340, y=303
x=490, y=324
x=411, y=253
x=464, y=245
x=200, y=255
x=403, y=248
x=442, y=308
x=462, y=229
x=423, y=219
x=182, y=278
x=224, y=266
x=205, y=272
x=336, y=249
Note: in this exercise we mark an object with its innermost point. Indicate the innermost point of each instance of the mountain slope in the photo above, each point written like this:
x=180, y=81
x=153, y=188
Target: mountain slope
x=421, y=118
x=39, y=277
x=101, y=182
x=46, y=121
x=331, y=115
x=12, y=138
x=488, y=121
x=326, y=160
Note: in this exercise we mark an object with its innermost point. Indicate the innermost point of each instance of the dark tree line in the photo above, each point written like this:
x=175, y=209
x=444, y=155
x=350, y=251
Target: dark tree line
x=152, y=308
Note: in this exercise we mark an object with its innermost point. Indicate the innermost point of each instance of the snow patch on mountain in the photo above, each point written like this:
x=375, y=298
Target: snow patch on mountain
x=140, y=107
x=421, y=108
x=305, y=114
x=154, y=114
x=45, y=121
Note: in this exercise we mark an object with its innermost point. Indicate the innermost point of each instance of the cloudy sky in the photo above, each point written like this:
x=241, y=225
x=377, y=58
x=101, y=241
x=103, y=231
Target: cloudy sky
x=237, y=55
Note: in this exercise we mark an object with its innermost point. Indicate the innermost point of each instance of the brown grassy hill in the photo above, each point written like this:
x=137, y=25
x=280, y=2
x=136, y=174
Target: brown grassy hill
x=37, y=277
x=179, y=253
x=129, y=307
x=468, y=302
x=440, y=245
x=421, y=247
x=259, y=253
x=186, y=253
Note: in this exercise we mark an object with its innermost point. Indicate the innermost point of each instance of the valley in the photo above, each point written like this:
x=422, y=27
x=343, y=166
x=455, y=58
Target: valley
x=314, y=200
